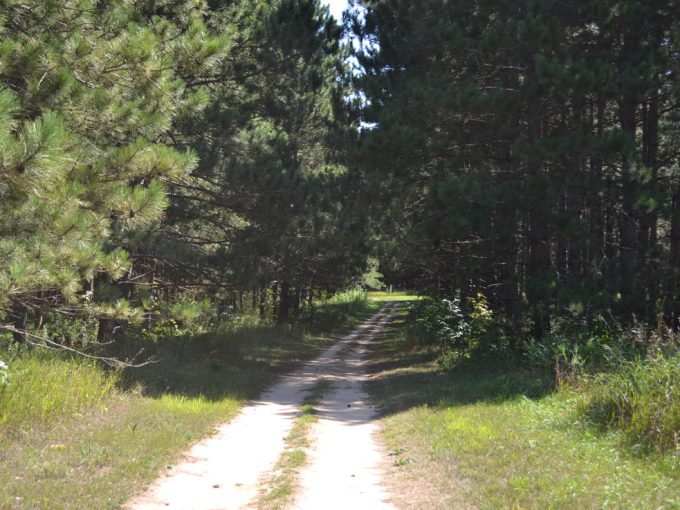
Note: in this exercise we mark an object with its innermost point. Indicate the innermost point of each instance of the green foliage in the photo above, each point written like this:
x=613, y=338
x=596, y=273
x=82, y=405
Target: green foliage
x=46, y=389
x=338, y=308
x=641, y=398
x=499, y=435
x=372, y=278
x=550, y=183
x=88, y=93
x=453, y=331
x=75, y=332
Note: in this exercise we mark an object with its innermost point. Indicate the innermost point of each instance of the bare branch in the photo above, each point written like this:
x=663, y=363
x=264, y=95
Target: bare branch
x=50, y=344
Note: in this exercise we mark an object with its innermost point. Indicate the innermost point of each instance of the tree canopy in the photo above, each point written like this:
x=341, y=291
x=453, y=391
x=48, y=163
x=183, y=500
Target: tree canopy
x=160, y=158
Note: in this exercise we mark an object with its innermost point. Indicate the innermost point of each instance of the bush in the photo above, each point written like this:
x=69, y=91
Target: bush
x=455, y=333
x=641, y=398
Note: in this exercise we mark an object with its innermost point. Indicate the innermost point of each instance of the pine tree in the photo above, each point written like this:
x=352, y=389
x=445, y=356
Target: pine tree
x=88, y=93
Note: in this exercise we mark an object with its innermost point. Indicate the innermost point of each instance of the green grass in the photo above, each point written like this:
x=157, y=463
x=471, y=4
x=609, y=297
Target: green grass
x=33, y=399
x=74, y=435
x=500, y=437
x=382, y=297
x=641, y=399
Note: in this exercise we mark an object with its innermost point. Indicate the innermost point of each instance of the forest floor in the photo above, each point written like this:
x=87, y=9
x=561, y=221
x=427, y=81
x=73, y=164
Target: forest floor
x=308, y=442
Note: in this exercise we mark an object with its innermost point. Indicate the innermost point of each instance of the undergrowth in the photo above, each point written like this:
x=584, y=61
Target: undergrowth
x=641, y=398
x=626, y=379
x=503, y=434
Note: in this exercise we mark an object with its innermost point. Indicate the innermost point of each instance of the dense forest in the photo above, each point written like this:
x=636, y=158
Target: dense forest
x=175, y=159
x=534, y=147
x=198, y=195
x=160, y=153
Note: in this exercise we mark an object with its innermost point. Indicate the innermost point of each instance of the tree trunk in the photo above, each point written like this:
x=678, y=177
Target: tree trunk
x=263, y=302
x=539, y=276
x=284, y=303
x=651, y=150
x=628, y=226
x=672, y=298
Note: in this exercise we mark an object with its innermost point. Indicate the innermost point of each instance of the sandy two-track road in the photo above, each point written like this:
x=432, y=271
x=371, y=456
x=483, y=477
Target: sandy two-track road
x=228, y=470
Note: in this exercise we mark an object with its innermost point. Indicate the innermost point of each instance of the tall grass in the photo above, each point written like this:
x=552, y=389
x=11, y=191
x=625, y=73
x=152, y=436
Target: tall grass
x=641, y=399
x=44, y=388
x=335, y=310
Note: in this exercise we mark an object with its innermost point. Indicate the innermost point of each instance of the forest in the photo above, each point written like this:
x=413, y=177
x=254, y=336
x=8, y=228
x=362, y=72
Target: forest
x=174, y=169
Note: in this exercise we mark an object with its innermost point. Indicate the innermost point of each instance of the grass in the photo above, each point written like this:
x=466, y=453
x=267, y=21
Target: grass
x=73, y=435
x=83, y=385
x=641, y=400
x=382, y=297
x=279, y=489
x=500, y=437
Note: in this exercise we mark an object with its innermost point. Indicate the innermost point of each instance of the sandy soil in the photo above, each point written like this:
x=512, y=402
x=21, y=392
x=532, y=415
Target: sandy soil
x=225, y=471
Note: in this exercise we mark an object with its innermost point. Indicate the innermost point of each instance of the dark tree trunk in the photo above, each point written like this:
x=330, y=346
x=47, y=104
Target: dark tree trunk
x=275, y=299
x=263, y=302
x=672, y=298
x=296, y=302
x=651, y=150
x=284, y=303
x=628, y=224
x=539, y=276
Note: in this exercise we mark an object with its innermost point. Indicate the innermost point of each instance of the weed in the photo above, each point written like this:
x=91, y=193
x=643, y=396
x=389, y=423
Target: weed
x=641, y=398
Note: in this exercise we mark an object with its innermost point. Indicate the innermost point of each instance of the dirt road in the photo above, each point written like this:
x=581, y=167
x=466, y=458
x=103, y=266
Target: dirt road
x=228, y=470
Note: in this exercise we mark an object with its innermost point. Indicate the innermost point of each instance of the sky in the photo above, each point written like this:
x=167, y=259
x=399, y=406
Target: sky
x=336, y=7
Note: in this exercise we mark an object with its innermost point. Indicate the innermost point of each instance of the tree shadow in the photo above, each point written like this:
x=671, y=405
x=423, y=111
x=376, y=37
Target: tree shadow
x=402, y=377
x=238, y=363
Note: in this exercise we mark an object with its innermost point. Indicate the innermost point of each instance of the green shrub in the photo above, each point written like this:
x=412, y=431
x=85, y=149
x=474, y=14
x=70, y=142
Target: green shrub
x=453, y=331
x=641, y=398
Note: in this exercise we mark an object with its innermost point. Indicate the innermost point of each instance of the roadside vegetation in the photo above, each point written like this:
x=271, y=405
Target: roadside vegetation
x=503, y=433
x=185, y=185
x=76, y=434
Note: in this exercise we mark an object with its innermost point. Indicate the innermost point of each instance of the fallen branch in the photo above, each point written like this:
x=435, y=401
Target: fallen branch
x=52, y=345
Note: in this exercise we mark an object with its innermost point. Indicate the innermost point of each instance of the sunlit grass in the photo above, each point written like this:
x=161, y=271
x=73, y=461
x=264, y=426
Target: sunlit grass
x=47, y=388
x=500, y=437
x=392, y=296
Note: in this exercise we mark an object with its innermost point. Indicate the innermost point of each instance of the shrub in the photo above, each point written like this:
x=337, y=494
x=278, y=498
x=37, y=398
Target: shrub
x=455, y=333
